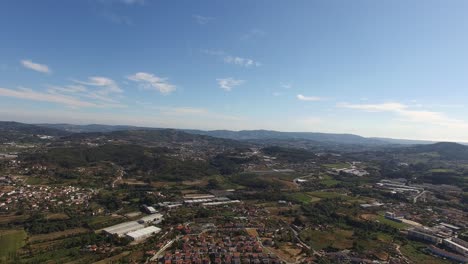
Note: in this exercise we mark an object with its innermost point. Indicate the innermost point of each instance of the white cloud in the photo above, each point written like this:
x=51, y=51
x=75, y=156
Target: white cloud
x=107, y=85
x=35, y=66
x=228, y=83
x=308, y=98
x=150, y=81
x=286, y=86
x=202, y=20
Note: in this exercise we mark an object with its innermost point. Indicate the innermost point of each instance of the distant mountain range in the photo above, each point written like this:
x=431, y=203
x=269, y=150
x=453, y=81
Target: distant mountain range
x=14, y=131
x=249, y=134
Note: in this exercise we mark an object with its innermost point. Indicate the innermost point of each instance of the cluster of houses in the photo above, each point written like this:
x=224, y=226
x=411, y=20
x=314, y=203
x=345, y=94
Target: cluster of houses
x=36, y=197
x=219, y=248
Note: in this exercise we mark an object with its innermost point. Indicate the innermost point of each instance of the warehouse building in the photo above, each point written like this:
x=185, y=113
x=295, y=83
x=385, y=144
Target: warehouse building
x=143, y=233
x=149, y=209
x=458, y=247
x=151, y=219
x=220, y=203
x=123, y=228
x=446, y=254
x=424, y=234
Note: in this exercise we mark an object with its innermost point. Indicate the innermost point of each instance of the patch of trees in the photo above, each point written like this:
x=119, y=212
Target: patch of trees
x=150, y=162
x=254, y=181
x=38, y=224
x=290, y=154
x=230, y=163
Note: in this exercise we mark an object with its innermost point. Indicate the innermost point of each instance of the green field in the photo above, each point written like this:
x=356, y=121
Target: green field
x=35, y=181
x=10, y=241
x=389, y=222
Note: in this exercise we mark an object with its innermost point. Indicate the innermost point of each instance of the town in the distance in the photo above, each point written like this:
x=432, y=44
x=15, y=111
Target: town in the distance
x=122, y=194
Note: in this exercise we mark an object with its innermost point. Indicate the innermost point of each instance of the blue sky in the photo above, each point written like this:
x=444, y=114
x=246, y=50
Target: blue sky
x=374, y=68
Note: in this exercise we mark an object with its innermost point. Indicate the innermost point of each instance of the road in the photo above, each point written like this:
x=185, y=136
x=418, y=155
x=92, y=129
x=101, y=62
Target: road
x=415, y=199
x=164, y=248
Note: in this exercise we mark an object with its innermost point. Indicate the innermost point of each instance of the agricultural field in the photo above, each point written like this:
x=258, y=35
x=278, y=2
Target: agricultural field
x=10, y=242
x=414, y=252
x=56, y=235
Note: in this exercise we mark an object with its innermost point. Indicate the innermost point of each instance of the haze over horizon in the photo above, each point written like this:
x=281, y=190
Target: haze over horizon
x=393, y=69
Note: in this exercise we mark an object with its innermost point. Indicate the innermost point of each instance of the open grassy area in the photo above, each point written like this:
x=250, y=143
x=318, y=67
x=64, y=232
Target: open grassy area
x=324, y=195
x=338, y=239
x=442, y=170
x=328, y=181
x=114, y=259
x=104, y=221
x=10, y=241
x=336, y=165
x=304, y=198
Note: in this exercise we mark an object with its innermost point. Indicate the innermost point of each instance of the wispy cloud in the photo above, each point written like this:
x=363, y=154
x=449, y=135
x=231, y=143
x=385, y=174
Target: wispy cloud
x=105, y=84
x=67, y=89
x=409, y=114
x=28, y=94
x=228, y=83
x=308, y=98
x=126, y=2
x=116, y=18
x=132, y=2
x=235, y=60
x=241, y=61
x=286, y=85
x=150, y=81
x=188, y=112
x=253, y=34
x=36, y=66
x=99, y=91
x=202, y=20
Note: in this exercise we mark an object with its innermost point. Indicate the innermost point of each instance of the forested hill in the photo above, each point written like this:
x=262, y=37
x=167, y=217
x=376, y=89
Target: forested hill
x=250, y=134
x=445, y=150
x=14, y=131
x=150, y=137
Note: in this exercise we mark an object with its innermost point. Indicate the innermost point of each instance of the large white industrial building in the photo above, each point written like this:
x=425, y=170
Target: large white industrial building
x=123, y=228
x=136, y=230
x=143, y=233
